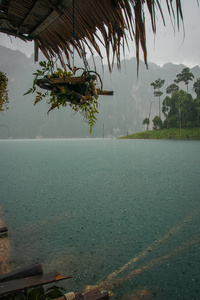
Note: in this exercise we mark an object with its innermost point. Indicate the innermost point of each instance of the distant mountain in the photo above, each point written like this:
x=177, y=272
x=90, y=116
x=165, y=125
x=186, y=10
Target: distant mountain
x=119, y=115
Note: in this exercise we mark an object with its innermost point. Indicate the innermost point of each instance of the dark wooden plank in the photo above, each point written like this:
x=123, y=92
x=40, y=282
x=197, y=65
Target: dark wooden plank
x=71, y=79
x=58, y=8
x=36, y=50
x=48, y=21
x=12, y=286
x=3, y=229
x=27, y=271
x=16, y=34
x=30, y=14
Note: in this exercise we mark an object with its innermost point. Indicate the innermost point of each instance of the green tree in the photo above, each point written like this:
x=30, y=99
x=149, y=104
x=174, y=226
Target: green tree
x=146, y=121
x=3, y=91
x=185, y=76
x=166, y=106
x=171, y=111
x=4, y=96
x=180, y=110
x=157, y=123
x=197, y=108
x=157, y=84
x=182, y=105
x=196, y=87
x=172, y=88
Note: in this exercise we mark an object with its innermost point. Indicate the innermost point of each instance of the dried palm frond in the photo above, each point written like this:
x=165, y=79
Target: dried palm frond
x=63, y=25
x=114, y=23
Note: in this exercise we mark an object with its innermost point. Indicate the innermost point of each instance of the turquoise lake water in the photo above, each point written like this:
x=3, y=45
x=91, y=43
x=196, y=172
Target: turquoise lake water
x=93, y=208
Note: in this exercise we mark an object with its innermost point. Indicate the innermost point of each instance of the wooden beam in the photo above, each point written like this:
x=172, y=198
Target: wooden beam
x=11, y=7
x=13, y=286
x=36, y=50
x=59, y=9
x=16, y=34
x=105, y=93
x=31, y=270
x=29, y=15
x=50, y=19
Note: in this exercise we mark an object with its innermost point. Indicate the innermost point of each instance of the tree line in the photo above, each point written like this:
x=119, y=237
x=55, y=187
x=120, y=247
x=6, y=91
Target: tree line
x=179, y=107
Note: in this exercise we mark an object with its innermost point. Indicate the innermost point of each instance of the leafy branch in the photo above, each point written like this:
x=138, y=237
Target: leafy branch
x=3, y=92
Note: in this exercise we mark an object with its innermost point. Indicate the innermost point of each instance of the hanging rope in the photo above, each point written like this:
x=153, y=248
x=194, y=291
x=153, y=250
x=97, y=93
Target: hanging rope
x=74, y=39
x=74, y=33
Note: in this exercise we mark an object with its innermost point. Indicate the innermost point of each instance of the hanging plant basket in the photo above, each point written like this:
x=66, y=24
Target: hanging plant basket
x=62, y=87
x=73, y=89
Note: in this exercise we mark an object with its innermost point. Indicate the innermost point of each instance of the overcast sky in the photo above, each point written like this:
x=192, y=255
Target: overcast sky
x=167, y=46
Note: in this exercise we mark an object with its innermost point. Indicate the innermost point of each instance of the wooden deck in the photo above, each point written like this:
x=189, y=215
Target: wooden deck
x=17, y=285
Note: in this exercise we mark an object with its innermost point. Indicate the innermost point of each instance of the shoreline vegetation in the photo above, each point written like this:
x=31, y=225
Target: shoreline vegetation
x=167, y=133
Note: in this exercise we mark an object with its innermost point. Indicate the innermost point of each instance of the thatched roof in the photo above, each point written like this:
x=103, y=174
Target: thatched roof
x=55, y=25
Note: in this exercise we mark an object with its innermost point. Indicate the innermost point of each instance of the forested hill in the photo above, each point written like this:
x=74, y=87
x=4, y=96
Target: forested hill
x=118, y=115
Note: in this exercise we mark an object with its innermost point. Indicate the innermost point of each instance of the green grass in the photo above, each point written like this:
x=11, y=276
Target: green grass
x=171, y=133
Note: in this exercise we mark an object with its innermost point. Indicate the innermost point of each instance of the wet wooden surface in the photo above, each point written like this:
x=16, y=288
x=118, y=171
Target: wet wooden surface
x=27, y=271
x=3, y=229
x=12, y=286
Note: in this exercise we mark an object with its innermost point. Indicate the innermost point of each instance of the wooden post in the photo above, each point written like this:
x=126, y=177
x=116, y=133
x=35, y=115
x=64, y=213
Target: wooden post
x=105, y=93
x=36, y=50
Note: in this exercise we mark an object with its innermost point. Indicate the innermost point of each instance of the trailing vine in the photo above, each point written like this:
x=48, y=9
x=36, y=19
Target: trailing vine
x=81, y=97
x=3, y=92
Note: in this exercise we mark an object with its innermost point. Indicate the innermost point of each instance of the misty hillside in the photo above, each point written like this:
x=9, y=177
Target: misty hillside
x=118, y=115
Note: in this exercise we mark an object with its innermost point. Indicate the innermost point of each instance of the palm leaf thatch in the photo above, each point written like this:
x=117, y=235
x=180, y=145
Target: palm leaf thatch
x=60, y=25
